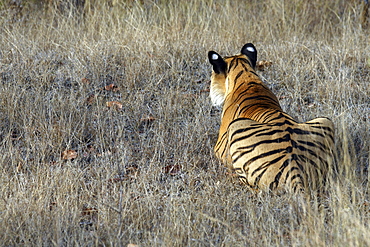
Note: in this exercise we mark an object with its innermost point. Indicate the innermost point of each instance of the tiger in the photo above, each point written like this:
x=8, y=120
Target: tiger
x=263, y=145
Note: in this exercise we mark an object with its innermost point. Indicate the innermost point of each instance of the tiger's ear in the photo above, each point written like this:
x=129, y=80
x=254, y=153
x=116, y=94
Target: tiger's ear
x=251, y=52
x=218, y=63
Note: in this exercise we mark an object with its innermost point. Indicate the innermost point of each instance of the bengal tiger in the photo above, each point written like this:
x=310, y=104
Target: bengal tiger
x=265, y=146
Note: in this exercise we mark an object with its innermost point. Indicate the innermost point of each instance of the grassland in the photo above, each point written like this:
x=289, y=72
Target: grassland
x=143, y=171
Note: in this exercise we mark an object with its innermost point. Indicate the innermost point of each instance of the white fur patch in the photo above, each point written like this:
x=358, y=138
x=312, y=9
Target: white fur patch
x=251, y=49
x=217, y=99
x=218, y=95
x=214, y=56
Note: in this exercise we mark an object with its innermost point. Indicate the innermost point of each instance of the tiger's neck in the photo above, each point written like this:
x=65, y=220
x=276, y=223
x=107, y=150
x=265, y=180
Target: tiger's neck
x=253, y=100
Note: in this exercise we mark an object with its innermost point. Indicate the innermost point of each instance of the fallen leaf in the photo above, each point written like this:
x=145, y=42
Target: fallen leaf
x=52, y=205
x=55, y=163
x=15, y=135
x=89, y=216
x=204, y=90
x=132, y=245
x=311, y=105
x=86, y=224
x=116, y=179
x=20, y=167
x=91, y=99
x=69, y=155
x=89, y=211
x=145, y=122
x=131, y=173
x=104, y=154
x=147, y=119
x=172, y=169
x=85, y=81
x=190, y=96
x=111, y=87
x=135, y=198
x=114, y=104
x=261, y=65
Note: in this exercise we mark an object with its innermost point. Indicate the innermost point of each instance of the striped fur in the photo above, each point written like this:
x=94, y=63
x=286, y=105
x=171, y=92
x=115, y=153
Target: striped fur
x=266, y=147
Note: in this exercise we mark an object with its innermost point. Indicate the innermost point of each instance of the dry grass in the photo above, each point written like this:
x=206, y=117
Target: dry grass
x=156, y=182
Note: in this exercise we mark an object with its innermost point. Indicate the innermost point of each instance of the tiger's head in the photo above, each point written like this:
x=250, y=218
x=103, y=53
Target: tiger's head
x=222, y=67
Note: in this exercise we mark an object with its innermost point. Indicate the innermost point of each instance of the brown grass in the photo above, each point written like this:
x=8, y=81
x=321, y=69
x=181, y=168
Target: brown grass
x=145, y=171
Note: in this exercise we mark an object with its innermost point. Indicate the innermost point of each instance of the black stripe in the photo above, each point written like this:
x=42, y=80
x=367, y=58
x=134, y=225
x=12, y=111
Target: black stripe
x=284, y=116
x=219, y=144
x=263, y=107
x=275, y=184
x=304, y=149
x=244, y=136
x=238, y=75
x=270, y=133
x=306, y=161
x=296, y=184
x=245, y=118
x=245, y=67
x=257, y=132
x=254, y=73
x=258, y=178
x=321, y=146
x=285, y=138
x=253, y=83
x=328, y=131
x=233, y=63
x=268, y=114
x=303, y=132
x=292, y=169
x=244, y=60
x=253, y=159
x=265, y=165
x=247, y=91
x=262, y=98
x=258, y=100
x=279, y=124
x=239, y=96
x=240, y=85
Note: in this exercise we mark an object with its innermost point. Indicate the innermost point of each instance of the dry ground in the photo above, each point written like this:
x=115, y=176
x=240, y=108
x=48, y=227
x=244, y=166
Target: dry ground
x=75, y=171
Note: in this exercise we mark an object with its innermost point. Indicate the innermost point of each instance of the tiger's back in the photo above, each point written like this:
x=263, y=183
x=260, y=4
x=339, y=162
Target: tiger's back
x=265, y=146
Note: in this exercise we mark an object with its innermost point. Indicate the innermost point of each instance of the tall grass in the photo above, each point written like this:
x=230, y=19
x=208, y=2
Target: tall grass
x=145, y=171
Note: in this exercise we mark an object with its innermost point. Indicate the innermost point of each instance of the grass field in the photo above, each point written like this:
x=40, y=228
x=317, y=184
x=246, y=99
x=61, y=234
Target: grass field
x=107, y=129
